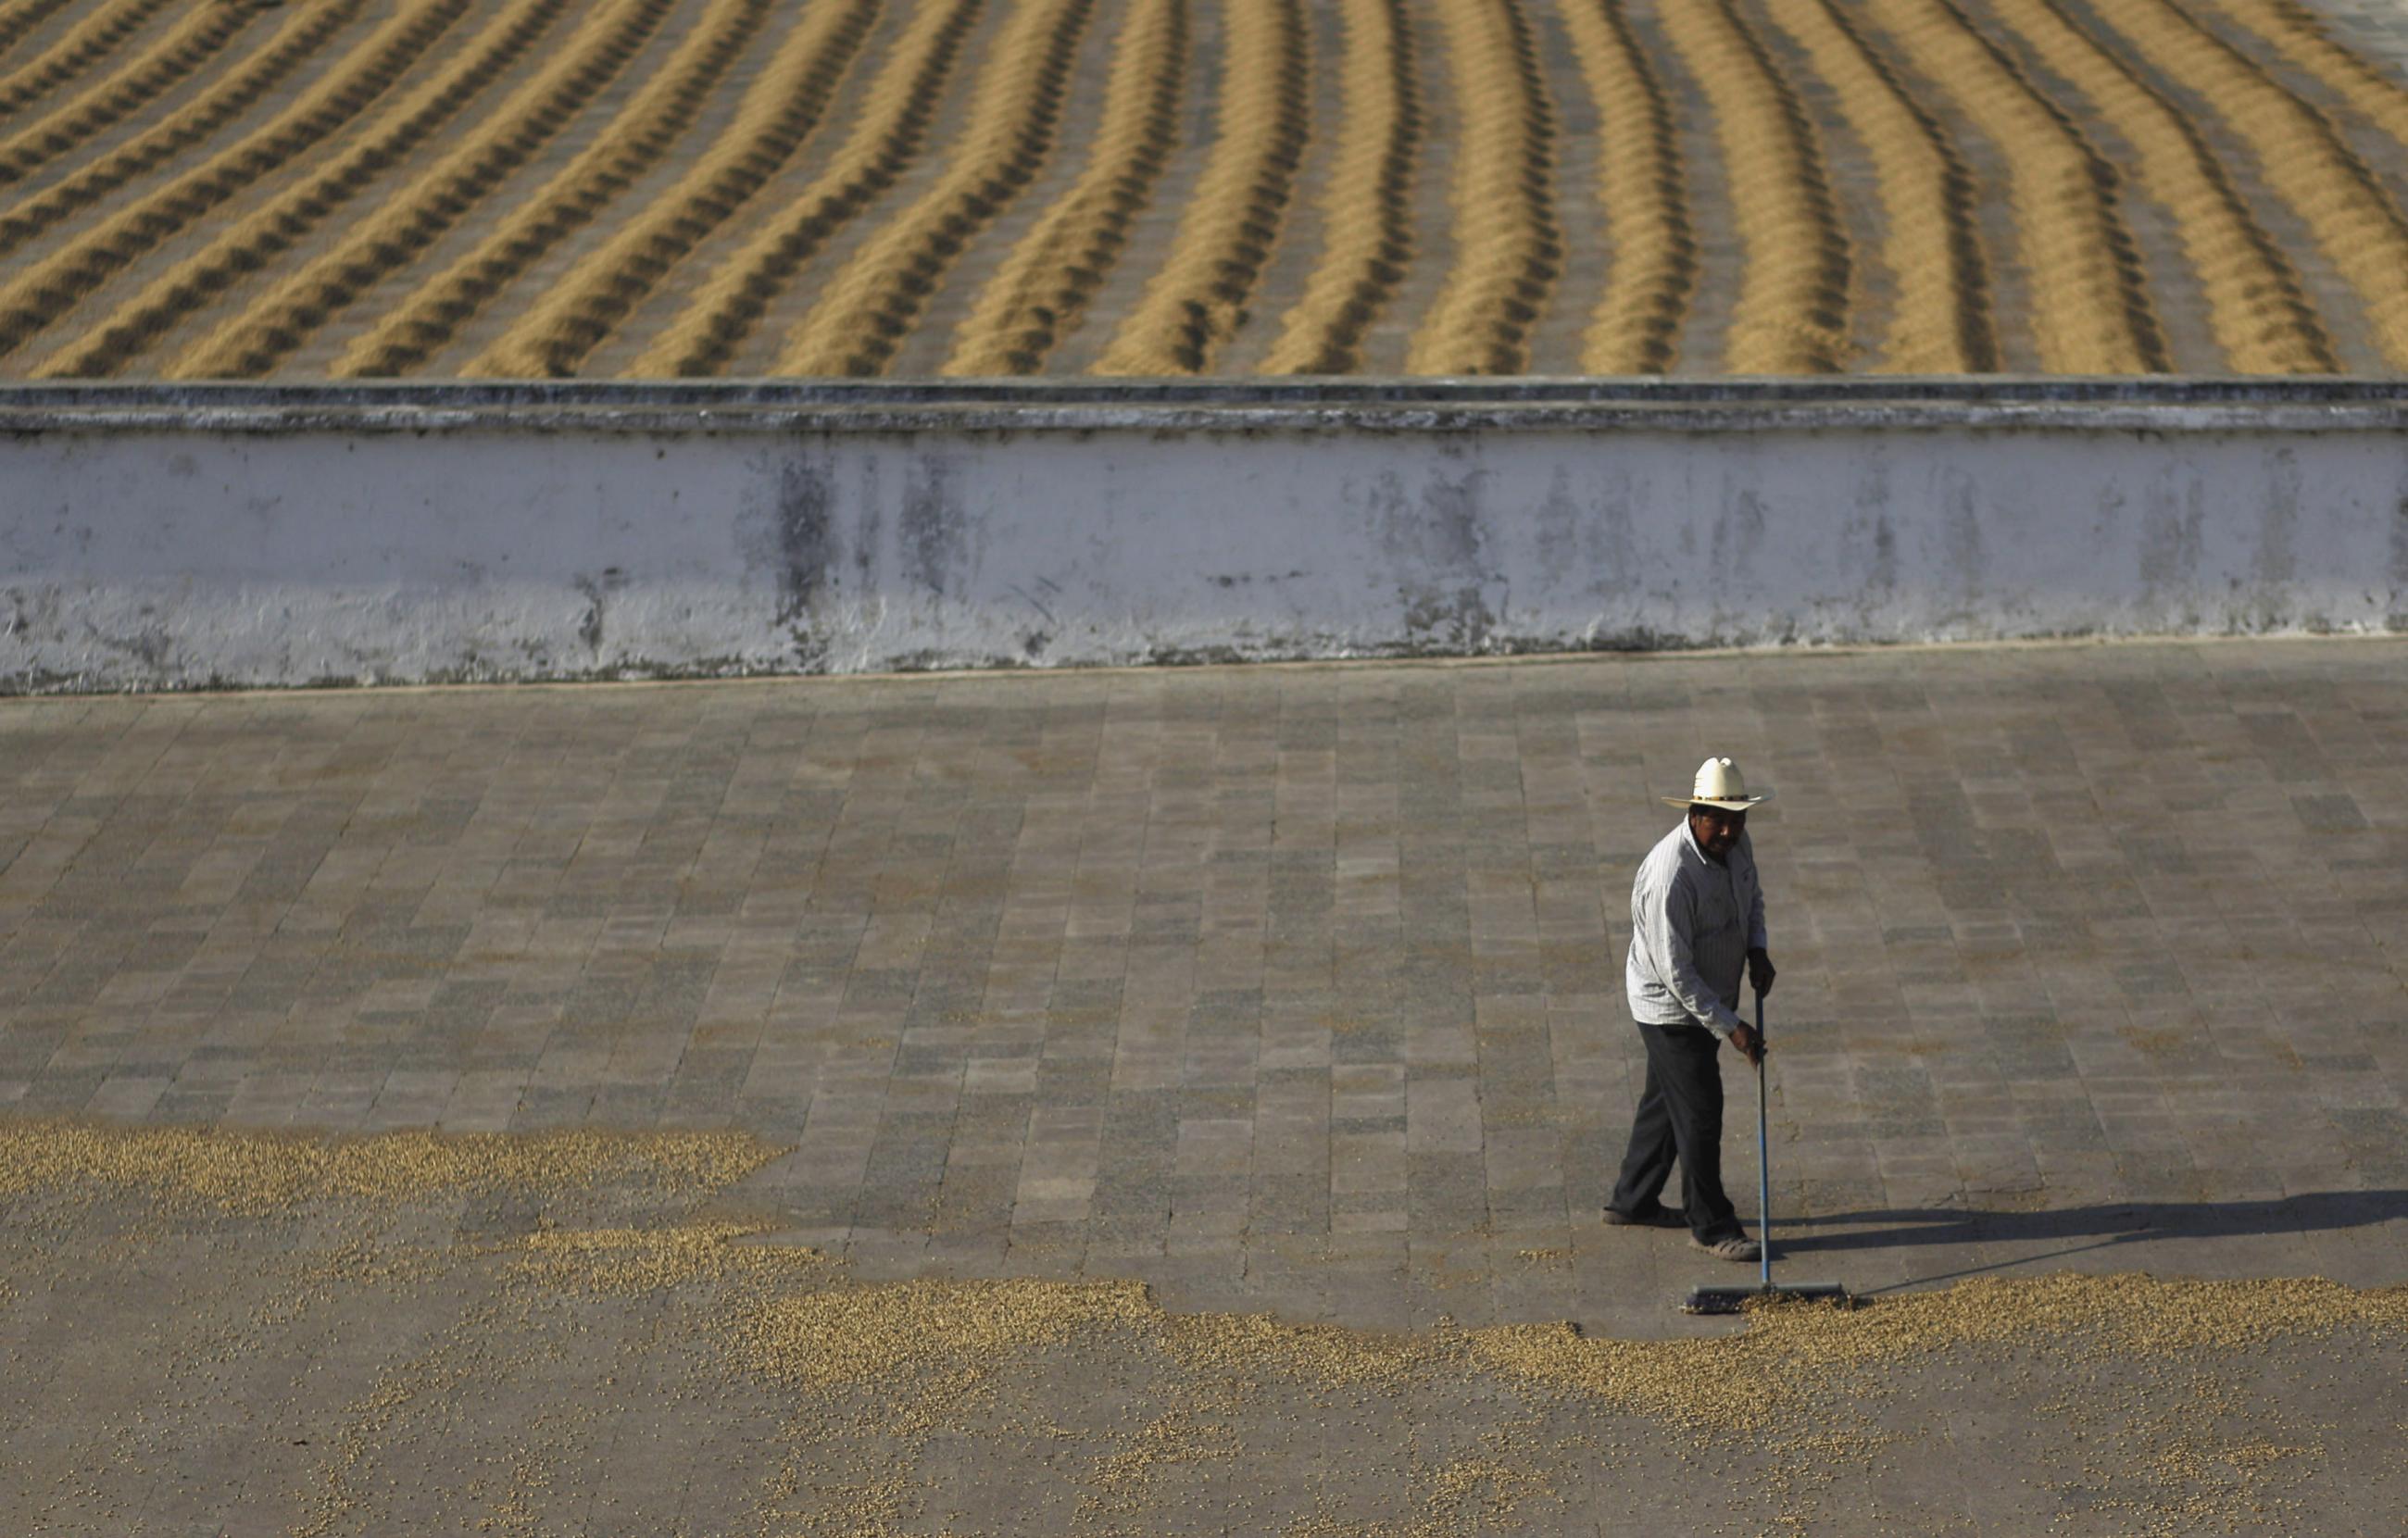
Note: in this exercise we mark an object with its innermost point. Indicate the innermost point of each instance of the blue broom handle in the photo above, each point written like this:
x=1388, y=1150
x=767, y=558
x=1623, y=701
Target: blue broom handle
x=1763, y=1161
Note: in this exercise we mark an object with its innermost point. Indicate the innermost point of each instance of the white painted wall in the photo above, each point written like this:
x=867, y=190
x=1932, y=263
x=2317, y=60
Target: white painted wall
x=164, y=546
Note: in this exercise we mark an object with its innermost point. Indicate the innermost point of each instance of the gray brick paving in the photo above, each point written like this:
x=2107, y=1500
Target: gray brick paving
x=1288, y=987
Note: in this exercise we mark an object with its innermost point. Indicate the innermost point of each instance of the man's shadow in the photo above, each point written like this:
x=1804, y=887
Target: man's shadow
x=2102, y=1225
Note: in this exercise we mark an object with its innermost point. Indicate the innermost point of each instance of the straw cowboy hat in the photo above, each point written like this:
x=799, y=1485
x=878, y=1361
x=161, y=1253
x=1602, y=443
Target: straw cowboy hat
x=1719, y=785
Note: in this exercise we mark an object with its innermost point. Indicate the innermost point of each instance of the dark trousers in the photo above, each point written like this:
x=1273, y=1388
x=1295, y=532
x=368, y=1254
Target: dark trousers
x=1679, y=1118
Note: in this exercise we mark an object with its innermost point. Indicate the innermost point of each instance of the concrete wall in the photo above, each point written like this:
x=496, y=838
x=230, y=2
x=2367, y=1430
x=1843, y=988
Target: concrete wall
x=157, y=539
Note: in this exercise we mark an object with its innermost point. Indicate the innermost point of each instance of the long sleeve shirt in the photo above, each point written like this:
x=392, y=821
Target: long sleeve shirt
x=1692, y=924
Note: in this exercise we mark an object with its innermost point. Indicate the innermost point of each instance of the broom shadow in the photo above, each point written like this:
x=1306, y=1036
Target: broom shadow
x=2106, y=1224
x=2102, y=1225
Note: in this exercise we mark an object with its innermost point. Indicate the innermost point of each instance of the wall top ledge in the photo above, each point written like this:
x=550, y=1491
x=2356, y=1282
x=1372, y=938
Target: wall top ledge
x=2166, y=403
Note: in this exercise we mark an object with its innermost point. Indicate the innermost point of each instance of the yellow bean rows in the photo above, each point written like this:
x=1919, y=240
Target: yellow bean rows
x=94, y=39
x=1044, y=285
x=1198, y=298
x=2380, y=96
x=143, y=319
x=184, y=48
x=304, y=33
x=280, y=319
x=41, y=295
x=1941, y=324
x=1503, y=193
x=776, y=115
x=1637, y=322
x=1370, y=226
x=1792, y=312
x=2299, y=156
x=18, y=20
x=2260, y=315
x=282, y=189
x=637, y=139
x=891, y=127
x=2090, y=302
x=869, y=304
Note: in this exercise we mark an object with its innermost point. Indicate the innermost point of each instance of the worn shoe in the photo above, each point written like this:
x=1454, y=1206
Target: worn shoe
x=1738, y=1246
x=1658, y=1216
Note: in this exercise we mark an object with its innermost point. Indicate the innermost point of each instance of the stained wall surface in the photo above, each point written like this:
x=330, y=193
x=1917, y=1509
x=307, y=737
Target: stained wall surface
x=281, y=537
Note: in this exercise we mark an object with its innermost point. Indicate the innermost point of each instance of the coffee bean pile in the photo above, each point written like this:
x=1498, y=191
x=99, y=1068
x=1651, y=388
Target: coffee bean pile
x=592, y=1333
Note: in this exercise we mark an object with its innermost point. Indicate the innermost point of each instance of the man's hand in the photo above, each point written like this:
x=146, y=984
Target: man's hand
x=1748, y=1041
x=1759, y=970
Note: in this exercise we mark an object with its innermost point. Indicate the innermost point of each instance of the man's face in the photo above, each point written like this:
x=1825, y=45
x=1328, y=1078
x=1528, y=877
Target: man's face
x=1716, y=830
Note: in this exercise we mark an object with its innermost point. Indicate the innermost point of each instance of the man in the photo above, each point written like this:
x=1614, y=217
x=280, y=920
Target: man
x=1695, y=914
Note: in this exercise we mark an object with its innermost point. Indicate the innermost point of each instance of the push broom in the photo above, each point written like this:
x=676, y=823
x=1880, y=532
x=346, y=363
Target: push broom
x=1730, y=1300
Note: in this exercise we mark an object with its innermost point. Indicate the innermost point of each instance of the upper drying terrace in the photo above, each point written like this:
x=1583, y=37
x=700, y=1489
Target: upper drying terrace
x=527, y=188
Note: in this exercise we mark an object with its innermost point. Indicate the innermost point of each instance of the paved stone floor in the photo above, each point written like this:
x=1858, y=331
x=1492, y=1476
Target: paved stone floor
x=1293, y=986
x=1283, y=988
